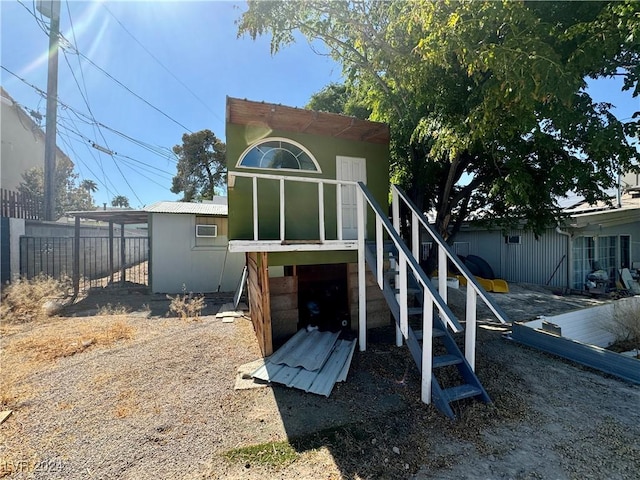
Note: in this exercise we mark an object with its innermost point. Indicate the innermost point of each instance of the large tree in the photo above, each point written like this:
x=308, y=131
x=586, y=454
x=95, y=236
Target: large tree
x=201, y=166
x=486, y=101
x=69, y=195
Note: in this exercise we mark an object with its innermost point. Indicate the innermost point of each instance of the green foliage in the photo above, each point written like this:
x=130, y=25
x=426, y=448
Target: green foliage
x=486, y=101
x=273, y=454
x=336, y=98
x=69, y=196
x=120, y=201
x=201, y=166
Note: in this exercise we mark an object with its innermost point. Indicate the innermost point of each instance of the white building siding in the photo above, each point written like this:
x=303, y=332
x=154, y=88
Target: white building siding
x=591, y=325
x=177, y=260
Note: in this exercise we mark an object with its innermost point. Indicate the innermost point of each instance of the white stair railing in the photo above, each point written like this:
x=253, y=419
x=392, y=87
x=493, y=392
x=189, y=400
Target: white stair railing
x=406, y=263
x=474, y=289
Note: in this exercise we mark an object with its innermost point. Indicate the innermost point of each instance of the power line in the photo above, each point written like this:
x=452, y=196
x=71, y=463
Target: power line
x=91, y=121
x=44, y=28
x=77, y=52
x=86, y=101
x=161, y=64
x=158, y=150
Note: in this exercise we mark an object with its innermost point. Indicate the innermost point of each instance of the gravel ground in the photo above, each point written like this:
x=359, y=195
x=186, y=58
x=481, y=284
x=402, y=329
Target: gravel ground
x=162, y=405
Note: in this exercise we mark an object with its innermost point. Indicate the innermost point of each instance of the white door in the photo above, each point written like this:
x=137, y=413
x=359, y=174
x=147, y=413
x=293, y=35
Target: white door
x=354, y=169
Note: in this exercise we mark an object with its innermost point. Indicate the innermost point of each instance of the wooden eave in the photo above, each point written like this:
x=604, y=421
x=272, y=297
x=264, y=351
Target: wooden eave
x=297, y=120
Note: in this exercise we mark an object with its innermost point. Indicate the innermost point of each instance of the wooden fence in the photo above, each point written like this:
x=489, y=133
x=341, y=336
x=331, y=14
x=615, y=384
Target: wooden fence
x=19, y=205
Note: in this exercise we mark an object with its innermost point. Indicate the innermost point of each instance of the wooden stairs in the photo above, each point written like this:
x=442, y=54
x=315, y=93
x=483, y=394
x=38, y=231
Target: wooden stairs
x=453, y=379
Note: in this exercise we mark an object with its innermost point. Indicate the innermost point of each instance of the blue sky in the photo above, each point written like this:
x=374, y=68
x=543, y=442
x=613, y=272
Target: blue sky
x=182, y=59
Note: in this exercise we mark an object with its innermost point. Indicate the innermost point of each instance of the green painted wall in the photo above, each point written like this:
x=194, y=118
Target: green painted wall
x=301, y=199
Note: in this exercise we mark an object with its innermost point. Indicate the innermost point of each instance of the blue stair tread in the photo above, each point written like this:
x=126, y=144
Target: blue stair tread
x=437, y=332
x=446, y=360
x=461, y=391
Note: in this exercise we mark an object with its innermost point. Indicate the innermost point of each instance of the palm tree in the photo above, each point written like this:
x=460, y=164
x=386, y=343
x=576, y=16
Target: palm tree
x=89, y=185
x=120, y=201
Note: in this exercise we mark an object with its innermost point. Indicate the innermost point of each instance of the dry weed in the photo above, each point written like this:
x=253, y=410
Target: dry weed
x=117, y=309
x=625, y=325
x=25, y=299
x=187, y=306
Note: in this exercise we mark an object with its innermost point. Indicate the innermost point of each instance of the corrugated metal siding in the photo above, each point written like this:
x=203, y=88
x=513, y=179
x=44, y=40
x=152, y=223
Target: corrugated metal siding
x=531, y=261
x=535, y=260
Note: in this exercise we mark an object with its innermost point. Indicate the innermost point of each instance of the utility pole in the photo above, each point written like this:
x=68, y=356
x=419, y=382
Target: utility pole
x=51, y=9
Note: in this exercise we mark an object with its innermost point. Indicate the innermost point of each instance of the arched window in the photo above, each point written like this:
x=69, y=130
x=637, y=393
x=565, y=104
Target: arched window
x=278, y=154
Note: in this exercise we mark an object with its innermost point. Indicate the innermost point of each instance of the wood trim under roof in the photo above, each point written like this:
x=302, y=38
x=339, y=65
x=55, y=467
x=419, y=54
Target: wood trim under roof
x=298, y=120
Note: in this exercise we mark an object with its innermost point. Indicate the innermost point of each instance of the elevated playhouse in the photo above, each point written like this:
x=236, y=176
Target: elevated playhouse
x=309, y=206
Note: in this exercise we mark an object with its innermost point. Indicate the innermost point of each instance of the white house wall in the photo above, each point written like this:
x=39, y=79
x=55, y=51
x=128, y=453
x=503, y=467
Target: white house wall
x=22, y=144
x=177, y=261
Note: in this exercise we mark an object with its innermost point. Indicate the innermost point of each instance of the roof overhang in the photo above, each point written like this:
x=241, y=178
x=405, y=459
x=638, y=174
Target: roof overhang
x=605, y=218
x=124, y=217
x=298, y=120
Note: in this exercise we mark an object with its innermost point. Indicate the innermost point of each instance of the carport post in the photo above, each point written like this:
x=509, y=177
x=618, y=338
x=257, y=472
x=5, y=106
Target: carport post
x=76, y=258
x=123, y=256
x=110, y=252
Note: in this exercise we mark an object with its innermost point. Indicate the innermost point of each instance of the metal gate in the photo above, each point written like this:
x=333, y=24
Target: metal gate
x=5, y=251
x=101, y=263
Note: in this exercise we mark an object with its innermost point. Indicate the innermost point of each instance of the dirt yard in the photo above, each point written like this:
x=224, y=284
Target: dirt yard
x=153, y=397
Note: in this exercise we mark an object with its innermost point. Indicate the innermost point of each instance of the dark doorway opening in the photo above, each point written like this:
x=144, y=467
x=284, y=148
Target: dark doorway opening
x=323, y=299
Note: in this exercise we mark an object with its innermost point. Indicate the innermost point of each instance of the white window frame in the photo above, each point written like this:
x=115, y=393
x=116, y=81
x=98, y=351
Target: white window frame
x=279, y=139
x=199, y=235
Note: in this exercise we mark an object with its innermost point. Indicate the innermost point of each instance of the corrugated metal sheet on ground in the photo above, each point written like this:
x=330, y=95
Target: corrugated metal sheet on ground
x=337, y=354
x=308, y=350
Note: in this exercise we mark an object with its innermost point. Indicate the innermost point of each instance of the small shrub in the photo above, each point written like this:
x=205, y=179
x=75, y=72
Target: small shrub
x=187, y=306
x=25, y=299
x=625, y=325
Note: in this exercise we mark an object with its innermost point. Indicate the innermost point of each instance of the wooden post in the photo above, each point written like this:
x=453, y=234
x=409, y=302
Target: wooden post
x=395, y=212
x=470, y=328
x=427, y=346
x=259, y=300
x=362, y=282
x=442, y=273
x=266, y=304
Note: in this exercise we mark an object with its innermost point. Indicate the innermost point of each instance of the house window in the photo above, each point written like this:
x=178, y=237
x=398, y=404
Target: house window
x=625, y=251
x=583, y=260
x=206, y=230
x=210, y=230
x=278, y=154
x=512, y=239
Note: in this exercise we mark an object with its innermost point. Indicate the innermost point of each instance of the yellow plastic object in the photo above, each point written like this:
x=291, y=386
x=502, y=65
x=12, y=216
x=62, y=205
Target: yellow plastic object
x=500, y=286
x=461, y=278
x=486, y=284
